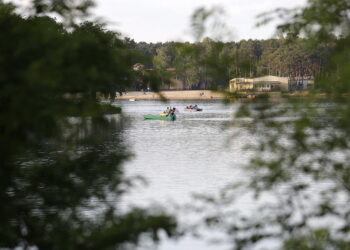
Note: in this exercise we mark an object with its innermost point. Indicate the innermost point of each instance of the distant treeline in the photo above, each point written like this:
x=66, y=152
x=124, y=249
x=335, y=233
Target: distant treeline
x=210, y=64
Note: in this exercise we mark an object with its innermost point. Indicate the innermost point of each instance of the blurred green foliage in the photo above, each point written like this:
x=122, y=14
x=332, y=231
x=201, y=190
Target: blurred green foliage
x=298, y=179
x=317, y=240
x=70, y=10
x=61, y=147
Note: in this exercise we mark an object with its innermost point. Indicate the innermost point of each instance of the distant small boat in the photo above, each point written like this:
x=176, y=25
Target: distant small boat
x=171, y=117
x=132, y=99
x=193, y=109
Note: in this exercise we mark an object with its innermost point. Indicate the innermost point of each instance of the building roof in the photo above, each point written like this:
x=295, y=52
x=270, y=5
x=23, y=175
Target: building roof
x=268, y=78
x=271, y=78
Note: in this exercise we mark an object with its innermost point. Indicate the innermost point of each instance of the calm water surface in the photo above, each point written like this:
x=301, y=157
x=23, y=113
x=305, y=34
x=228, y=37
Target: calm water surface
x=193, y=154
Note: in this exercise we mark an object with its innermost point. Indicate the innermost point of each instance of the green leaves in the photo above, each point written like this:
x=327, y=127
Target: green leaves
x=314, y=240
x=61, y=146
x=70, y=10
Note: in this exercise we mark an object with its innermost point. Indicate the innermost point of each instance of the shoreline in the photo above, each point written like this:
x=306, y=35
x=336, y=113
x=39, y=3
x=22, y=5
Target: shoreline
x=200, y=95
x=172, y=95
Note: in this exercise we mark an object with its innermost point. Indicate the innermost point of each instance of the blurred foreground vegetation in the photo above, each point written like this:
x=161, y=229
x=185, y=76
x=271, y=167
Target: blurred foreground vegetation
x=61, y=149
x=298, y=178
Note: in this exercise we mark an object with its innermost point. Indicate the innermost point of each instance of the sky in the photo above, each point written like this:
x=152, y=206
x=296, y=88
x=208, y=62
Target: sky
x=166, y=20
x=169, y=20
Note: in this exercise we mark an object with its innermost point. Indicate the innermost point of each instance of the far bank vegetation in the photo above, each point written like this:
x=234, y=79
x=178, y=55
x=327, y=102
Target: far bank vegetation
x=210, y=64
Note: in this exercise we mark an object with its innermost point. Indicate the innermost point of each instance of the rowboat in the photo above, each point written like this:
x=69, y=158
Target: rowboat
x=171, y=117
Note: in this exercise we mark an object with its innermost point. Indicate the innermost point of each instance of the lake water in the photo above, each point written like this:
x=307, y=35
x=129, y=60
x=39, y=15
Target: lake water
x=194, y=154
x=198, y=154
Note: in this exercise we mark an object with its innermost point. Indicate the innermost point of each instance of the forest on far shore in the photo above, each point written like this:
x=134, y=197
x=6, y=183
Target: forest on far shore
x=210, y=64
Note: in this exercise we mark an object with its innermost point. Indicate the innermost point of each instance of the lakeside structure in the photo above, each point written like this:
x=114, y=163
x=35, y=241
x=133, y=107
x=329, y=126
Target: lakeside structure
x=270, y=84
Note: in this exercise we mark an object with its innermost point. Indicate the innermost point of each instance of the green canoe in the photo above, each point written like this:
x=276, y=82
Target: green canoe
x=171, y=117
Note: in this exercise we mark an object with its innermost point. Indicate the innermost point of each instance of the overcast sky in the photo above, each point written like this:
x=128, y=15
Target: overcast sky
x=169, y=20
x=166, y=20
